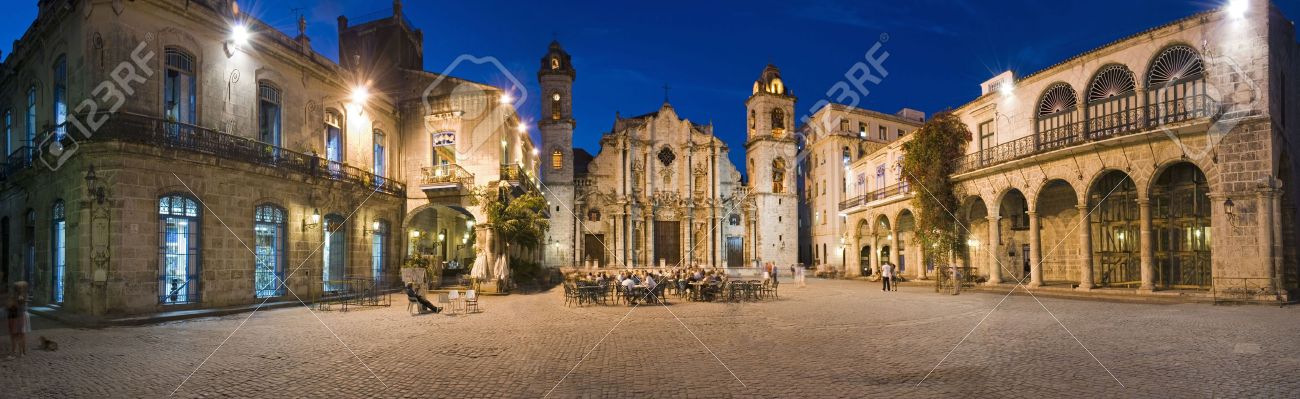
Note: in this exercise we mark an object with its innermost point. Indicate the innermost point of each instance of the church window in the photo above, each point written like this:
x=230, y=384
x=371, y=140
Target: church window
x=555, y=62
x=844, y=124
x=734, y=219
x=778, y=120
x=666, y=156
x=862, y=129
x=557, y=160
x=778, y=175
x=882, y=133
x=593, y=215
x=846, y=155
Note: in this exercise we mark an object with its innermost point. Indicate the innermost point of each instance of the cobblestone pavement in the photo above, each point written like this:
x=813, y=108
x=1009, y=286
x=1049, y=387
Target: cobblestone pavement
x=831, y=339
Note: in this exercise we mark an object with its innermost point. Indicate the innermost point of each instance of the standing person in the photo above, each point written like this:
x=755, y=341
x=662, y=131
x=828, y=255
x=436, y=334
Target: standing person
x=956, y=279
x=19, y=324
x=886, y=275
x=799, y=275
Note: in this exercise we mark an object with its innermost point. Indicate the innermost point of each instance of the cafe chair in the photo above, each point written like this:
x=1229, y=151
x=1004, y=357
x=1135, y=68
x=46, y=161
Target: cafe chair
x=471, y=301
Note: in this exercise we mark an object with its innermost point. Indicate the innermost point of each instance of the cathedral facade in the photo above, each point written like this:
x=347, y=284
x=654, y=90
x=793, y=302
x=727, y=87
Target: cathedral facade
x=661, y=191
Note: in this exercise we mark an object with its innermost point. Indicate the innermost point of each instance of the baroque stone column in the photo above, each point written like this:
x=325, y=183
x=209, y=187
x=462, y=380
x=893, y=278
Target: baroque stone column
x=1085, y=249
x=1267, y=199
x=1035, y=252
x=995, y=239
x=1144, y=242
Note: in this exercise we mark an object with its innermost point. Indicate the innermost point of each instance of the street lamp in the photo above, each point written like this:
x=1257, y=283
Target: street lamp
x=93, y=189
x=313, y=221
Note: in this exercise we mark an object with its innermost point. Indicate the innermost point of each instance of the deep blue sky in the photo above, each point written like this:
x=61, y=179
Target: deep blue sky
x=711, y=52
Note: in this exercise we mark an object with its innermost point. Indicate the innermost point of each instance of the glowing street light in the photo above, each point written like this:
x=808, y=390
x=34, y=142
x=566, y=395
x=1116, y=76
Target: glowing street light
x=506, y=98
x=240, y=35
x=522, y=128
x=1006, y=88
x=359, y=95
x=1237, y=8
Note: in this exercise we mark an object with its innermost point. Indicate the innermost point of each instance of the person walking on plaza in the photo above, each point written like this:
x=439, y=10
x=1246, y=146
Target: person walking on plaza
x=18, y=323
x=886, y=275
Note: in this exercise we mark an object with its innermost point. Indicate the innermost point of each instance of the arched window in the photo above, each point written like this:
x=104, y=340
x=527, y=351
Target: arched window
x=555, y=62
x=1055, y=118
x=778, y=175
x=268, y=114
x=269, y=247
x=58, y=246
x=179, y=249
x=778, y=122
x=557, y=160
x=378, y=247
x=380, y=155
x=180, y=97
x=1112, y=102
x=30, y=121
x=334, y=252
x=334, y=139
x=1176, y=86
x=60, y=98
x=9, y=132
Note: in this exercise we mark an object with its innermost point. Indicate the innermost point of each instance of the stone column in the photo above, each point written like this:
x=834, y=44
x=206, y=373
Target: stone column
x=893, y=249
x=1085, y=249
x=1035, y=252
x=995, y=240
x=875, y=255
x=1266, y=238
x=1144, y=242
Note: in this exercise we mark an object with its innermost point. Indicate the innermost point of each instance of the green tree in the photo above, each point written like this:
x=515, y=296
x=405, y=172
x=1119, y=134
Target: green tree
x=514, y=221
x=930, y=160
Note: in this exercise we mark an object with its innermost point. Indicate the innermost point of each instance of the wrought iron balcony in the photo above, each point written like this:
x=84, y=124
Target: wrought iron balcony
x=153, y=131
x=515, y=175
x=1115, y=124
x=445, y=176
x=853, y=202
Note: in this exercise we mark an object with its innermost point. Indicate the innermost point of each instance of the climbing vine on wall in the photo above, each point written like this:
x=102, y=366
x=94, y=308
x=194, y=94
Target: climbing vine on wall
x=930, y=160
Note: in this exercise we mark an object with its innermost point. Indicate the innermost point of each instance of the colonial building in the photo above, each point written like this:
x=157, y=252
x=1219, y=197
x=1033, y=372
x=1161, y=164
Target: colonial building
x=661, y=191
x=850, y=139
x=1161, y=161
x=169, y=155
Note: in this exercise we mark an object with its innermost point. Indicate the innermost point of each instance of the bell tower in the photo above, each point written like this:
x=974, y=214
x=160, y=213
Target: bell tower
x=770, y=153
x=556, y=125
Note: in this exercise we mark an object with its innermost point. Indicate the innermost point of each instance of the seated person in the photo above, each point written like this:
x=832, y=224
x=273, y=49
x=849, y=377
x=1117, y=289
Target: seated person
x=425, y=305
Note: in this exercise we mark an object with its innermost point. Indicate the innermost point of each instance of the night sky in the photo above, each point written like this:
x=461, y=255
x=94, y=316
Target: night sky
x=711, y=52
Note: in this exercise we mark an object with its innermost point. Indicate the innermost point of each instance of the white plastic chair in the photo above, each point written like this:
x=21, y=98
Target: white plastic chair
x=454, y=296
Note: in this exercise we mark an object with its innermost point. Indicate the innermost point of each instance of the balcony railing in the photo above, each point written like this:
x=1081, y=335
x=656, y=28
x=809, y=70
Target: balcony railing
x=1122, y=123
x=445, y=176
x=147, y=130
x=890, y=191
x=515, y=175
x=853, y=202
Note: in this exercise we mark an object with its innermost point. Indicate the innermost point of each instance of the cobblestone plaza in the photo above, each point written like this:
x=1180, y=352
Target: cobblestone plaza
x=835, y=338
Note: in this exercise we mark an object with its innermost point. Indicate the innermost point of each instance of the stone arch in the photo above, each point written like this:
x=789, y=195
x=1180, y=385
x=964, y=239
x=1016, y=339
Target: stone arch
x=1149, y=182
x=1115, y=227
x=1059, y=223
x=1180, y=210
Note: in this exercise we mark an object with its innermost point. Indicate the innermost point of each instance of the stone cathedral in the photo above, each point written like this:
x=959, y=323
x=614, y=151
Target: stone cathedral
x=661, y=191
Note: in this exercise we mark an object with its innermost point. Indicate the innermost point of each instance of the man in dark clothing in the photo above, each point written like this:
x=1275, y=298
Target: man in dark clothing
x=424, y=303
